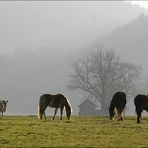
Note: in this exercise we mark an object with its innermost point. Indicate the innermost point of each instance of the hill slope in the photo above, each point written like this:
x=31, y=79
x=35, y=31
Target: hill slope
x=130, y=41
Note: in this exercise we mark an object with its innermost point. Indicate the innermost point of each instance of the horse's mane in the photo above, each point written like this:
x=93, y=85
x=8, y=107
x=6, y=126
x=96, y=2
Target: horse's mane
x=68, y=103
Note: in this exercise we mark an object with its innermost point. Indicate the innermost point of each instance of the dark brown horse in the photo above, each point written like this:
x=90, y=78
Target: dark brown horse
x=141, y=103
x=118, y=103
x=55, y=101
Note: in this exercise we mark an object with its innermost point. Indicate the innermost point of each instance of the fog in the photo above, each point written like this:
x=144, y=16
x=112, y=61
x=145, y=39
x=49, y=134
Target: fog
x=61, y=25
x=40, y=40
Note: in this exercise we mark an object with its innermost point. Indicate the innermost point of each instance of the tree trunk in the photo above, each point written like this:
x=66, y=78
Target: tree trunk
x=103, y=102
x=103, y=107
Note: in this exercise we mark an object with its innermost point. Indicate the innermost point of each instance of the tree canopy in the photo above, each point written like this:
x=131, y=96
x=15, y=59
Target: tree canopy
x=100, y=73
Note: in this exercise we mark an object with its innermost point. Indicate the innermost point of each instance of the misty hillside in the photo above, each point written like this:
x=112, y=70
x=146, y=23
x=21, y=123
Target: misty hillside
x=130, y=41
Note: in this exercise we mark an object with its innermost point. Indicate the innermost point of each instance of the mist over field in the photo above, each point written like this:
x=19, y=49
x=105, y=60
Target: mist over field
x=40, y=40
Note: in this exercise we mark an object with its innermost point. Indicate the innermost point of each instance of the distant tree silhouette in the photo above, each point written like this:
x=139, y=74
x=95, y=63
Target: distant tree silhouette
x=100, y=73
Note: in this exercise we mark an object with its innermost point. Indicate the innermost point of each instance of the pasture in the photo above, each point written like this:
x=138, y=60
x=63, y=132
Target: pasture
x=29, y=131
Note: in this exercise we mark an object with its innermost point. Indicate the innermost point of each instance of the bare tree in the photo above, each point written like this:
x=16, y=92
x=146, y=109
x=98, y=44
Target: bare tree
x=100, y=73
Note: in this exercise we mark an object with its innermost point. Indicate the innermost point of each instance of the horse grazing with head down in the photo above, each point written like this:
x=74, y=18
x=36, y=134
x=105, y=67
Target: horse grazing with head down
x=118, y=103
x=55, y=101
x=141, y=103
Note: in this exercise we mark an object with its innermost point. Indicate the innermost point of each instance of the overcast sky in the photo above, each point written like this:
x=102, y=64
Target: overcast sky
x=59, y=24
x=143, y=4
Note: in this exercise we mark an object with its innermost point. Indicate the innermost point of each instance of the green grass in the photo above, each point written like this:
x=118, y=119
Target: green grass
x=25, y=131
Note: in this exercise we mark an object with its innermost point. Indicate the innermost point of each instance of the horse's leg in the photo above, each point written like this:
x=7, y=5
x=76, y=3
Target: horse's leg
x=120, y=115
x=138, y=111
x=55, y=113
x=61, y=112
x=138, y=117
x=41, y=111
x=44, y=115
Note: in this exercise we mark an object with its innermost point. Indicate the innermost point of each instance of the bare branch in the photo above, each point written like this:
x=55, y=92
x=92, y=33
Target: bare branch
x=100, y=73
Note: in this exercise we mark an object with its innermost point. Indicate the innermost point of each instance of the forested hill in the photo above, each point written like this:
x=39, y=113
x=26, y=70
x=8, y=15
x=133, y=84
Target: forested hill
x=131, y=41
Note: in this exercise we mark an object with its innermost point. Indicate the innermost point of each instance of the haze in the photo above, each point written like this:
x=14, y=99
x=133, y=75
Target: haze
x=40, y=40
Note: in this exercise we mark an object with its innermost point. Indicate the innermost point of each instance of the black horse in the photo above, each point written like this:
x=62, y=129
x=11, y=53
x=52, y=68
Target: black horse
x=118, y=103
x=141, y=103
x=55, y=101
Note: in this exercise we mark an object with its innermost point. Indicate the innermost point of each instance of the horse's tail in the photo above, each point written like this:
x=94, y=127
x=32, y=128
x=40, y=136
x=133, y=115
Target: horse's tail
x=39, y=112
x=40, y=109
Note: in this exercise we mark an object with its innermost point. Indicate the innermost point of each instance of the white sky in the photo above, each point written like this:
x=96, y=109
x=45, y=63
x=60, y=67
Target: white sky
x=59, y=25
x=141, y=3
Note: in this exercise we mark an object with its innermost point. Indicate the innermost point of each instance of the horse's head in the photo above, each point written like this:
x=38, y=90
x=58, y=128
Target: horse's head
x=4, y=104
x=111, y=113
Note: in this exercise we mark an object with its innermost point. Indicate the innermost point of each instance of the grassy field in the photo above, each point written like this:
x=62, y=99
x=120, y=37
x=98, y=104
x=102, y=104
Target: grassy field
x=25, y=131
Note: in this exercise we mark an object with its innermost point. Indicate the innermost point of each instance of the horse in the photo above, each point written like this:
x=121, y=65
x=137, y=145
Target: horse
x=3, y=105
x=55, y=101
x=118, y=103
x=141, y=103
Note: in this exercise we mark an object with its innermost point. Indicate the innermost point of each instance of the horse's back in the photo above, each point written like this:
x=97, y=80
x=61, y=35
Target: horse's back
x=119, y=100
x=141, y=100
x=45, y=98
x=56, y=101
x=60, y=99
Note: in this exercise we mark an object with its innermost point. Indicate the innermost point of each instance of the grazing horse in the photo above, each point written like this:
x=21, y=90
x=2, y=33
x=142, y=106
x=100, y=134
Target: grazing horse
x=118, y=103
x=3, y=105
x=55, y=101
x=141, y=103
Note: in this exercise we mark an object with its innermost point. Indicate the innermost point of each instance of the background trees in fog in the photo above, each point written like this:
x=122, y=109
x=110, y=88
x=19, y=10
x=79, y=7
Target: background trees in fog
x=100, y=73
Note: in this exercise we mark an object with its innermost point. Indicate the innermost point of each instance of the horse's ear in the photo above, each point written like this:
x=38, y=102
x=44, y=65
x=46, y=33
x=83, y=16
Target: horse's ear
x=7, y=101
